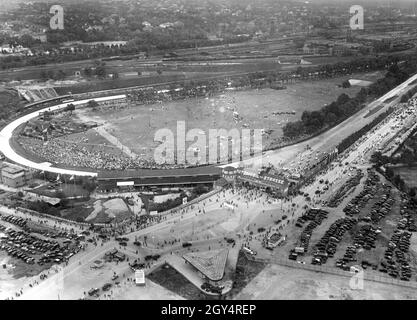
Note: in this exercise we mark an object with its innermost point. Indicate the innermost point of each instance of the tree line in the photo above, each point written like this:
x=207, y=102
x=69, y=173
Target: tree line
x=332, y=114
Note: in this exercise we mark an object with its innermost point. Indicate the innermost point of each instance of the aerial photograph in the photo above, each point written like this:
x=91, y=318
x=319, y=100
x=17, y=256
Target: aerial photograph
x=208, y=150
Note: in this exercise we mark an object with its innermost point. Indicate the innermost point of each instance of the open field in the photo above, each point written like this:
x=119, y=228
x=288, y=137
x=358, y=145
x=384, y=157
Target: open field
x=135, y=127
x=284, y=283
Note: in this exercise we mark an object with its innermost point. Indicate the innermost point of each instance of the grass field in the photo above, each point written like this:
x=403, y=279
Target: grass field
x=172, y=280
x=135, y=127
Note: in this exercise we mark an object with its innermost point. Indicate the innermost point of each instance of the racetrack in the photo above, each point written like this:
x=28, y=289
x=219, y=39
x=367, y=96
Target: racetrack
x=7, y=133
x=327, y=140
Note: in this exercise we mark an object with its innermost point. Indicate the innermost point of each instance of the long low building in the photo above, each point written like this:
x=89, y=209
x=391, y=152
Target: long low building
x=112, y=180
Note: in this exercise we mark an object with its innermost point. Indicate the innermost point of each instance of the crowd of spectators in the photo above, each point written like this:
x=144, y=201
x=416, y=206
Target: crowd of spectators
x=76, y=155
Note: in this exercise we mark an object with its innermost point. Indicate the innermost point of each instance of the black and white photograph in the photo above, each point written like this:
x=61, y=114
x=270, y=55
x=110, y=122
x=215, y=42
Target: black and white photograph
x=208, y=154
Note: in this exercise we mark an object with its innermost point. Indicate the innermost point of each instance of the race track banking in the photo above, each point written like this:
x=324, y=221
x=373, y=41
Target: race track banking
x=7, y=133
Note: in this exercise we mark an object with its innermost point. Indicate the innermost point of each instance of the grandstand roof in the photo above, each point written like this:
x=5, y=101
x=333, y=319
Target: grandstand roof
x=210, y=263
x=150, y=173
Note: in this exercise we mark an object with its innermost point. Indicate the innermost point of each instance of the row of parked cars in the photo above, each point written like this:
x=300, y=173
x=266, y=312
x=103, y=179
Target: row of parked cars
x=382, y=207
x=359, y=202
x=21, y=245
x=20, y=222
x=21, y=253
x=338, y=197
x=58, y=234
x=365, y=238
x=316, y=217
x=396, y=264
x=327, y=245
x=27, y=247
x=395, y=261
x=407, y=211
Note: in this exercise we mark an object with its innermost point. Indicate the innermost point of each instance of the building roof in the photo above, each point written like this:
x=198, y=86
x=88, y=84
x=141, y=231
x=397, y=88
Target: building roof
x=271, y=180
x=229, y=169
x=159, y=173
x=12, y=168
x=210, y=263
x=13, y=171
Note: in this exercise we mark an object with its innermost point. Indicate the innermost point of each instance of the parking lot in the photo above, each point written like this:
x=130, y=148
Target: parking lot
x=373, y=233
x=41, y=247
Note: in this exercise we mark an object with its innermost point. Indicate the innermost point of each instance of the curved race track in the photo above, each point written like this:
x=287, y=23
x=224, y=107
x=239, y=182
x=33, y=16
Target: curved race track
x=7, y=133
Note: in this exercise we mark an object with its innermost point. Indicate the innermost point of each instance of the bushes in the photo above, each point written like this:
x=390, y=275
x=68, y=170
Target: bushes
x=167, y=205
x=173, y=203
x=330, y=115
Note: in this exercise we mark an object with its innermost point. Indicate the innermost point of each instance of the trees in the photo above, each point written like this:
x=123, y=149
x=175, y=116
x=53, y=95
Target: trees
x=389, y=172
x=70, y=108
x=100, y=69
x=344, y=106
x=88, y=71
x=88, y=184
x=399, y=182
x=92, y=104
x=27, y=41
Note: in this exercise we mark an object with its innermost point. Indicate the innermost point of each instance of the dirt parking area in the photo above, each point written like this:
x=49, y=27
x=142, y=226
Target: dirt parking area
x=283, y=283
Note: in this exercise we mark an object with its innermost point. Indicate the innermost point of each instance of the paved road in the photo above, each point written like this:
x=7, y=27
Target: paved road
x=328, y=140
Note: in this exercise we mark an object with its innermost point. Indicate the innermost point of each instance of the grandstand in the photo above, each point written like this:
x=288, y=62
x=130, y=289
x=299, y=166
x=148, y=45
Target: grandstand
x=36, y=93
x=112, y=180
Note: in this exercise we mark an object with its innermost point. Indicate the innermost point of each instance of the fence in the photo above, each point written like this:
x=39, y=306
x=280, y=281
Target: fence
x=59, y=219
x=367, y=275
